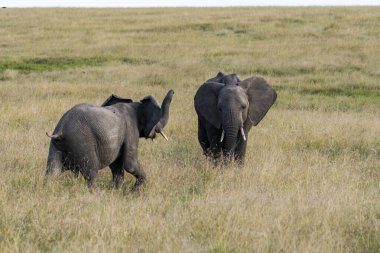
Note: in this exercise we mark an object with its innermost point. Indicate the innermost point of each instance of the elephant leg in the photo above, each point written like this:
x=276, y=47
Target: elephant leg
x=54, y=164
x=132, y=166
x=213, y=136
x=117, y=173
x=89, y=169
x=202, y=136
x=240, y=150
x=90, y=175
x=140, y=176
x=76, y=172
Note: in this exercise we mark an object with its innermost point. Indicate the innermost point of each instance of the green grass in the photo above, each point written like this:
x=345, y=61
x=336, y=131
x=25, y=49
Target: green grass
x=38, y=64
x=311, y=179
x=49, y=64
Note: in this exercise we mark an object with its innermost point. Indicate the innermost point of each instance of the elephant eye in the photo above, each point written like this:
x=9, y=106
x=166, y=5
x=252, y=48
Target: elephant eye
x=243, y=106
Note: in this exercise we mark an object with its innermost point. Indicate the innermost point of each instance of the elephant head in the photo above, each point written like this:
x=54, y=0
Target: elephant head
x=225, y=79
x=234, y=107
x=154, y=118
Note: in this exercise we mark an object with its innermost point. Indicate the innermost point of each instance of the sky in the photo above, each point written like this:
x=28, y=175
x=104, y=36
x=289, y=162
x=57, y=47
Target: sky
x=183, y=3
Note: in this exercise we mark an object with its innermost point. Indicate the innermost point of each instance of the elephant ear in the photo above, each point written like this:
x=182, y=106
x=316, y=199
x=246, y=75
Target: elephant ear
x=206, y=101
x=261, y=97
x=114, y=99
x=151, y=116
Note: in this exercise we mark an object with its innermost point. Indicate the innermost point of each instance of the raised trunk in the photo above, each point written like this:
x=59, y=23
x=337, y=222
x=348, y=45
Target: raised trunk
x=165, y=111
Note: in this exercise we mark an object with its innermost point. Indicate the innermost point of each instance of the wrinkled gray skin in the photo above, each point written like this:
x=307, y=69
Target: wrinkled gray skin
x=89, y=138
x=225, y=103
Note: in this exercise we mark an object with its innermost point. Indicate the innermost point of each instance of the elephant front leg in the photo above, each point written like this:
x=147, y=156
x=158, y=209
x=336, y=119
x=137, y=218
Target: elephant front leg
x=136, y=170
x=240, y=150
x=202, y=138
x=240, y=153
x=214, y=138
x=118, y=179
x=117, y=173
x=132, y=165
x=216, y=151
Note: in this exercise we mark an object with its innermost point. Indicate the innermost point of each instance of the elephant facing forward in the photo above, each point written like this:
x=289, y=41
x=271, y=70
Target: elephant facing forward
x=227, y=109
x=88, y=138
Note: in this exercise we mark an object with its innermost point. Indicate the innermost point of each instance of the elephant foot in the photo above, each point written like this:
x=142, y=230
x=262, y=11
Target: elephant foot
x=76, y=172
x=91, y=184
x=116, y=185
x=140, y=183
x=239, y=163
x=93, y=189
x=117, y=182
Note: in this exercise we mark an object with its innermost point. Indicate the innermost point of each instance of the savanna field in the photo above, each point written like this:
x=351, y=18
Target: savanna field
x=311, y=181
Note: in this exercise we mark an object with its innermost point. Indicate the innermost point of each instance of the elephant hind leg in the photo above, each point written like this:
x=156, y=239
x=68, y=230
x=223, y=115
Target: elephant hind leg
x=117, y=173
x=89, y=170
x=54, y=164
x=90, y=176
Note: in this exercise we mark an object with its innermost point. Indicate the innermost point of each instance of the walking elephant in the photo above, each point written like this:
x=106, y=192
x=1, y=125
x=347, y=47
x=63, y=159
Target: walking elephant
x=88, y=138
x=227, y=109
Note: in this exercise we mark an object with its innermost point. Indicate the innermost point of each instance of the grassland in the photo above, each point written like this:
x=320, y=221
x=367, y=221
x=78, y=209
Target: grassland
x=311, y=182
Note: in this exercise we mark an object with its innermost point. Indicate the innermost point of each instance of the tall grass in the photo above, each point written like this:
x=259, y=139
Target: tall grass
x=311, y=182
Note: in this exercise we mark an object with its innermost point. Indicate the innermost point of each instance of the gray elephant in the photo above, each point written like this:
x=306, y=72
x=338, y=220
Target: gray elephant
x=227, y=109
x=88, y=138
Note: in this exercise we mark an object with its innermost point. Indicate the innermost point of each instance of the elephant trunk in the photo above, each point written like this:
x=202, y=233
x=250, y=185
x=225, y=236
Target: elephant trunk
x=164, y=111
x=230, y=141
x=231, y=130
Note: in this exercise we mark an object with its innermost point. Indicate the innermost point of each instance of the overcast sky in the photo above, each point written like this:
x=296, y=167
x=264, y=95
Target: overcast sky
x=185, y=3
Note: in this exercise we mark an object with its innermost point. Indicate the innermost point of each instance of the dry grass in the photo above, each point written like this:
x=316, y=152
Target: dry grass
x=312, y=177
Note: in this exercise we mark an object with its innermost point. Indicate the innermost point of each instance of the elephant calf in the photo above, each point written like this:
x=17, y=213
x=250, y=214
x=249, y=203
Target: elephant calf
x=88, y=138
x=227, y=108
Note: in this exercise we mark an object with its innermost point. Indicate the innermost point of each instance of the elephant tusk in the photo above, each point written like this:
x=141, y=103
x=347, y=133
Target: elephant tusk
x=222, y=137
x=163, y=135
x=242, y=134
x=54, y=136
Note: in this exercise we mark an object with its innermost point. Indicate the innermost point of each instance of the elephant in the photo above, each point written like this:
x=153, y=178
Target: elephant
x=227, y=108
x=88, y=138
